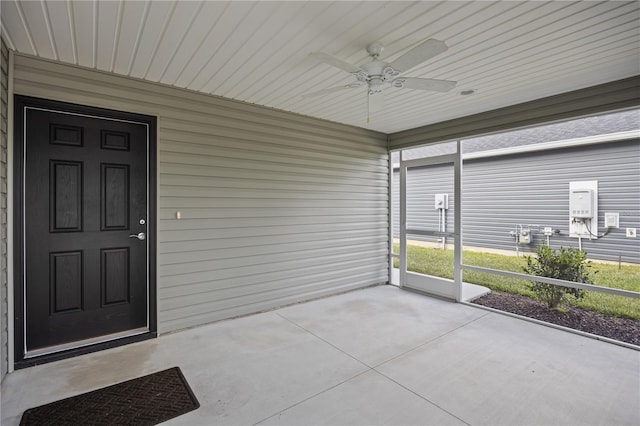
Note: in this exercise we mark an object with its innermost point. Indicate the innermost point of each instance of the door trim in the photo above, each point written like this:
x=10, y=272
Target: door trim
x=22, y=358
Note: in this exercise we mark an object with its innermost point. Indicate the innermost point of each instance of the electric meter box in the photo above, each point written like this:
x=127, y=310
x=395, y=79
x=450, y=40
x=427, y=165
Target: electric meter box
x=441, y=201
x=581, y=203
x=525, y=236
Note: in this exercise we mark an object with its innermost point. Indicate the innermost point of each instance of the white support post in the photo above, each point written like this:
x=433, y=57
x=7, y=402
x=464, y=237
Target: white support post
x=10, y=221
x=403, y=222
x=390, y=197
x=457, y=220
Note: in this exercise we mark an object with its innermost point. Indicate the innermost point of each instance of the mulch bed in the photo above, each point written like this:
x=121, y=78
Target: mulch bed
x=617, y=328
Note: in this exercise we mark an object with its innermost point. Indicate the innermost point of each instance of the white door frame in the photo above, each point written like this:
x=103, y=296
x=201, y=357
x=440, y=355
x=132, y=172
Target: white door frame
x=451, y=289
x=102, y=342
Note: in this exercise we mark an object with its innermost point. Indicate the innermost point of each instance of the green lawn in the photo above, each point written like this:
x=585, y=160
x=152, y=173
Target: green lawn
x=440, y=263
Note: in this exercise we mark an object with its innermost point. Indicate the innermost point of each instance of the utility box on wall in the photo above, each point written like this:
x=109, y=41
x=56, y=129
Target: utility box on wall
x=581, y=203
x=611, y=220
x=441, y=201
x=583, y=209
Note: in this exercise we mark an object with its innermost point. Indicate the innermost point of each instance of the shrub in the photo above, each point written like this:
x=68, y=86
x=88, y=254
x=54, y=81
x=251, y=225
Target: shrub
x=566, y=264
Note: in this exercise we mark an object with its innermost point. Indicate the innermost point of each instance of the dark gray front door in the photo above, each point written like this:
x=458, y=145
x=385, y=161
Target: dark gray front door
x=85, y=227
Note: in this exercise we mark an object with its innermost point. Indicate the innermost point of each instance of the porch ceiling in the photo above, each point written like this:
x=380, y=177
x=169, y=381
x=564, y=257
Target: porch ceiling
x=258, y=52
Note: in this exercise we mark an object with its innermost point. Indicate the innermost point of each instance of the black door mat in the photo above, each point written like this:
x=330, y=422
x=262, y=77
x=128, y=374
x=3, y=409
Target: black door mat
x=147, y=400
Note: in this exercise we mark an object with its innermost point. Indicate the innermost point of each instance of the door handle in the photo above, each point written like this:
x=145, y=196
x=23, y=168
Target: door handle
x=141, y=236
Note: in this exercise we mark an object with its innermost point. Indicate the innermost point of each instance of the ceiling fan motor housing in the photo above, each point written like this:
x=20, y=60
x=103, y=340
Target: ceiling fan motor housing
x=379, y=69
x=375, y=85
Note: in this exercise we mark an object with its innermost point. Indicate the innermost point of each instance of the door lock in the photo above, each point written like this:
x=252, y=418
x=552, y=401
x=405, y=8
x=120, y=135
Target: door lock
x=141, y=236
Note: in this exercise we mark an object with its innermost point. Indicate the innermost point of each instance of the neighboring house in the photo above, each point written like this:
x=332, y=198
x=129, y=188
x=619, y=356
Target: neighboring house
x=521, y=178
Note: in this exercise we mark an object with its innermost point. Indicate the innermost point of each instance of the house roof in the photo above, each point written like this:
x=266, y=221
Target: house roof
x=259, y=52
x=622, y=125
x=574, y=129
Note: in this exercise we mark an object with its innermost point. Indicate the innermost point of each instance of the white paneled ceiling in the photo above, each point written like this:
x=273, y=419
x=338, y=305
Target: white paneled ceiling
x=508, y=52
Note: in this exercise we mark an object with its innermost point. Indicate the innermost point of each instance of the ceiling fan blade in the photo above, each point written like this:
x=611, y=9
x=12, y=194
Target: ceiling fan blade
x=338, y=63
x=424, y=84
x=331, y=90
x=422, y=52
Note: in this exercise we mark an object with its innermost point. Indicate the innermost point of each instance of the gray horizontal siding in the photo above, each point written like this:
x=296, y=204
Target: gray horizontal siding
x=422, y=185
x=534, y=189
x=276, y=208
x=501, y=192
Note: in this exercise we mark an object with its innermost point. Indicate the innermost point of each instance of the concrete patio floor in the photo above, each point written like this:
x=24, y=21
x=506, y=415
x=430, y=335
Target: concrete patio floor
x=378, y=356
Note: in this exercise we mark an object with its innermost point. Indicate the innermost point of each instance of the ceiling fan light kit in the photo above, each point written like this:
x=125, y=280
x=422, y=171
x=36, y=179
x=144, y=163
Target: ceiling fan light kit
x=378, y=74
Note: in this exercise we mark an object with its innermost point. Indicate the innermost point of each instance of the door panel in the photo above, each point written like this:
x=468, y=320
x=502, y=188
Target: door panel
x=85, y=193
x=114, y=199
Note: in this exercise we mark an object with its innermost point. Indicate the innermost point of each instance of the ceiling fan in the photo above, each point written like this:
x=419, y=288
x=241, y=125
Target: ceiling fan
x=378, y=74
